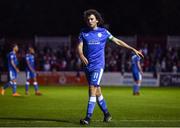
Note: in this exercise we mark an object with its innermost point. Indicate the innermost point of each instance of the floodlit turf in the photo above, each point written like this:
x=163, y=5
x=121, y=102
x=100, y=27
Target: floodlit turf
x=65, y=106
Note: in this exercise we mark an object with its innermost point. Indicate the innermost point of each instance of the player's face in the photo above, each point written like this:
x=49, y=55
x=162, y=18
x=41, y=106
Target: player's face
x=16, y=48
x=32, y=50
x=92, y=21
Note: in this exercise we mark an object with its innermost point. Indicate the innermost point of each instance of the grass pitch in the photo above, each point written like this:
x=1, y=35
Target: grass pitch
x=62, y=106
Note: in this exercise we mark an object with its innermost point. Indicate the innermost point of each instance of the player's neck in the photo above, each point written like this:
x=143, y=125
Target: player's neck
x=95, y=28
x=14, y=51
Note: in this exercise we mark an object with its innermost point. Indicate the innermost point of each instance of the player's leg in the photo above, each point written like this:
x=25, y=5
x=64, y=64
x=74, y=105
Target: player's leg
x=102, y=104
x=92, y=80
x=139, y=84
x=2, y=90
x=90, y=106
x=27, y=82
x=136, y=87
x=10, y=83
x=14, y=88
x=36, y=87
x=27, y=87
x=92, y=101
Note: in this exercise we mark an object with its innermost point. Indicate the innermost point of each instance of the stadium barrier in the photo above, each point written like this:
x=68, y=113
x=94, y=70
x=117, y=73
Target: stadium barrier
x=78, y=78
x=170, y=79
x=61, y=78
x=117, y=79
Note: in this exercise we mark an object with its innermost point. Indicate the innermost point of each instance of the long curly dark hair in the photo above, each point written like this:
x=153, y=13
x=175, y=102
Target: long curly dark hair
x=94, y=12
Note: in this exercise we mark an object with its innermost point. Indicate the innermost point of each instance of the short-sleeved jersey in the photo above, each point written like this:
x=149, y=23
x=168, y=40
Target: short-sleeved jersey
x=93, y=46
x=31, y=60
x=12, y=57
x=134, y=61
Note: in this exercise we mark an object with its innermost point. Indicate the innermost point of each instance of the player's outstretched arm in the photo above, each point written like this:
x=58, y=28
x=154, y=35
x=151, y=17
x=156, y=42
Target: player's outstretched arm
x=123, y=44
x=81, y=55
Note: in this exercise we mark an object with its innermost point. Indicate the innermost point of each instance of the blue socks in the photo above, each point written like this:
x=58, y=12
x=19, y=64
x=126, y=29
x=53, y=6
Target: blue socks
x=136, y=88
x=92, y=103
x=14, y=87
x=102, y=104
x=10, y=83
x=36, y=86
x=91, y=106
x=27, y=86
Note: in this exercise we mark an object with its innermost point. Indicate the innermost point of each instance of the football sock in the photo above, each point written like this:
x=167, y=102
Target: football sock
x=36, y=86
x=27, y=86
x=91, y=106
x=102, y=104
x=10, y=83
x=136, y=88
x=14, y=87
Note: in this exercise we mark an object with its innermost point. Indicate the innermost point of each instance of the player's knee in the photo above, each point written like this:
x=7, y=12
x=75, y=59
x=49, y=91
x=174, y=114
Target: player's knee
x=98, y=93
x=35, y=83
x=92, y=91
x=35, y=80
x=27, y=83
x=11, y=82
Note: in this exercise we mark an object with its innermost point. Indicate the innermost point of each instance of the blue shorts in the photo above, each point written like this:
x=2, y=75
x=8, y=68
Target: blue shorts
x=30, y=75
x=12, y=75
x=94, y=77
x=137, y=76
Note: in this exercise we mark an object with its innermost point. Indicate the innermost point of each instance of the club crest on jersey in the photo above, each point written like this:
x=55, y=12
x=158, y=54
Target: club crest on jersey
x=99, y=35
x=86, y=34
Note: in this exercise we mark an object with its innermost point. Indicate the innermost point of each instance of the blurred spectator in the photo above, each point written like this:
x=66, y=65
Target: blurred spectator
x=47, y=66
x=163, y=65
x=174, y=68
x=145, y=50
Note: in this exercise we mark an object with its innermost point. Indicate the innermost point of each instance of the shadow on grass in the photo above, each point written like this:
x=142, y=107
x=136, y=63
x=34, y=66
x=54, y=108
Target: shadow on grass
x=34, y=119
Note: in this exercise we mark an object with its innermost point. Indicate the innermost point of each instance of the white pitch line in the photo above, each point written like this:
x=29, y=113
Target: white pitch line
x=139, y=120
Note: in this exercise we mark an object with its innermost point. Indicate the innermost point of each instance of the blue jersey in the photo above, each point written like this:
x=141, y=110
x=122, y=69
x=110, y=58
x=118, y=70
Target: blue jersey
x=31, y=60
x=134, y=61
x=93, y=46
x=12, y=57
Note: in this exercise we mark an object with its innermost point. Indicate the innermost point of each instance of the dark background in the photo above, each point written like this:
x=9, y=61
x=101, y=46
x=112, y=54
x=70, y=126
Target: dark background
x=64, y=17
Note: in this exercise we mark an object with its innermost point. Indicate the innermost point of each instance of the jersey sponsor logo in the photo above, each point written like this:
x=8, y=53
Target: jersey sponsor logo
x=93, y=42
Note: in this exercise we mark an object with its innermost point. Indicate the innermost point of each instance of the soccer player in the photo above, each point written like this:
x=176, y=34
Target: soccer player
x=136, y=72
x=12, y=70
x=91, y=46
x=30, y=72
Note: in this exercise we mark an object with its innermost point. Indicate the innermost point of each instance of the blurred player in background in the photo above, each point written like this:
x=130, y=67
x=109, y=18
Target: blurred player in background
x=91, y=46
x=136, y=72
x=12, y=70
x=31, y=72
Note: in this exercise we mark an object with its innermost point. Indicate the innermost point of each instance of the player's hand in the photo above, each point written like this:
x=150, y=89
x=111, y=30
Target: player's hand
x=17, y=70
x=138, y=53
x=84, y=59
